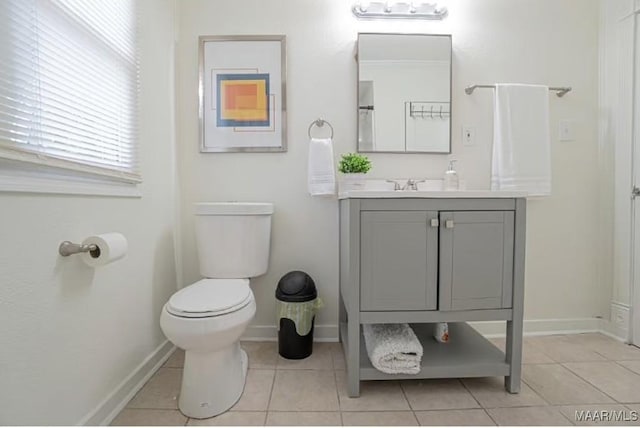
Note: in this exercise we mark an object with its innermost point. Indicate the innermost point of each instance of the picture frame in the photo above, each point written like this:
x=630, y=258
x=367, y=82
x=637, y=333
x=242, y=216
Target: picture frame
x=242, y=93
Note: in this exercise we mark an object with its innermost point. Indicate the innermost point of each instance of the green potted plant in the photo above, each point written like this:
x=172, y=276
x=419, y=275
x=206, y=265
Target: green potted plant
x=354, y=166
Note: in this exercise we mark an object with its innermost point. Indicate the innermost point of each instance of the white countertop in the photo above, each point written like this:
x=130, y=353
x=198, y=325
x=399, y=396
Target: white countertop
x=430, y=194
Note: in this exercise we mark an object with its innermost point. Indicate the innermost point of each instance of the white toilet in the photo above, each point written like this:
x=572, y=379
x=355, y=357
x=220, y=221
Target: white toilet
x=207, y=318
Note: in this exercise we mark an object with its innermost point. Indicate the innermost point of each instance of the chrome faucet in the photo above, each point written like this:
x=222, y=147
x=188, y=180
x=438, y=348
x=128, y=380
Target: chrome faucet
x=396, y=186
x=413, y=184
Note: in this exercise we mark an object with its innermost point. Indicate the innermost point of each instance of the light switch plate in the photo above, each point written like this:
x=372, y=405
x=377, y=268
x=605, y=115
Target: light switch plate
x=566, y=131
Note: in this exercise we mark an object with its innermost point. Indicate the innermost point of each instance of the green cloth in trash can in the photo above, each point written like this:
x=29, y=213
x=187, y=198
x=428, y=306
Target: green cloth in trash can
x=301, y=313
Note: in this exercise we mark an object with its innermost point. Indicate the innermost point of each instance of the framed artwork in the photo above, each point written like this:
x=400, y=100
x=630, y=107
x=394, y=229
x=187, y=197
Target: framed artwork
x=242, y=94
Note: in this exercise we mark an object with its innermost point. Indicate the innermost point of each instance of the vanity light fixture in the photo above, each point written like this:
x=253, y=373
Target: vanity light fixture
x=398, y=10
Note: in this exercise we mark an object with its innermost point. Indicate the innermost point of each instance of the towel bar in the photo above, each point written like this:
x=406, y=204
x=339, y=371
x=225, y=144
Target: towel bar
x=561, y=90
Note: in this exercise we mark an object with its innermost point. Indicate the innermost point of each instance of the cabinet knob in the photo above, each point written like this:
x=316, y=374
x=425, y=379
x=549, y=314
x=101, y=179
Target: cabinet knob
x=435, y=222
x=448, y=224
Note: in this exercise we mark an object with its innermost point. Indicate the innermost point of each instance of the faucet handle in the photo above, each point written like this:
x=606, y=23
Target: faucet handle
x=396, y=185
x=413, y=184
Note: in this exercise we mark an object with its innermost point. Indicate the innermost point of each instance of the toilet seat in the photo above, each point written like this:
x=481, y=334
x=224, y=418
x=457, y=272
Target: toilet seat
x=210, y=298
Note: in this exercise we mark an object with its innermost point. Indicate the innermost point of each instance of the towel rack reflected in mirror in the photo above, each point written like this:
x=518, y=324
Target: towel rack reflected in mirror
x=560, y=90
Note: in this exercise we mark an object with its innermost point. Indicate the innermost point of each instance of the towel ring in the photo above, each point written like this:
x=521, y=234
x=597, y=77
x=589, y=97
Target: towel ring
x=320, y=122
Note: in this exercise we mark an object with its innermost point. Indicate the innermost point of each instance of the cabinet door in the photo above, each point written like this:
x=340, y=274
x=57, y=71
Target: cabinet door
x=398, y=260
x=476, y=260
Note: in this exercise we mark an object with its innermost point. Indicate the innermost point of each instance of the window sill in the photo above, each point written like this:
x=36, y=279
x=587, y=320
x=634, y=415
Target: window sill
x=20, y=177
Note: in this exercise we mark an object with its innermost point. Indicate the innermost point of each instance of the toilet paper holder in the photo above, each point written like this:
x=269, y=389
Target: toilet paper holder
x=68, y=248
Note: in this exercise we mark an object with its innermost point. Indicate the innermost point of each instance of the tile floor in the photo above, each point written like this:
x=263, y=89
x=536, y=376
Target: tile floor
x=561, y=375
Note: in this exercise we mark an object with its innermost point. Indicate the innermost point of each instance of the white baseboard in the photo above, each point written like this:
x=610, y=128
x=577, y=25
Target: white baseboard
x=618, y=324
x=544, y=327
x=111, y=406
x=321, y=333
x=541, y=327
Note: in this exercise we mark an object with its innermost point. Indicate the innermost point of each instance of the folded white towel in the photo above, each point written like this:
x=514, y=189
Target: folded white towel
x=521, y=146
x=393, y=348
x=321, y=173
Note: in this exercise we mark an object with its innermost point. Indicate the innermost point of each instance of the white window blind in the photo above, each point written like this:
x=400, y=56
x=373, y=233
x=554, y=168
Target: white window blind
x=69, y=85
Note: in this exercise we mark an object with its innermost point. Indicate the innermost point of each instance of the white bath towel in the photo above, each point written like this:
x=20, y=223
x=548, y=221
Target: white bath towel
x=521, y=146
x=393, y=348
x=321, y=173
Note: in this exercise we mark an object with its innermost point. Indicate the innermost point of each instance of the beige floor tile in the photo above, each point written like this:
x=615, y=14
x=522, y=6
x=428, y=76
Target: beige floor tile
x=616, y=381
x=635, y=408
x=176, y=360
x=584, y=415
x=379, y=419
x=531, y=354
x=262, y=355
x=320, y=359
x=232, y=419
x=490, y=392
x=304, y=390
x=558, y=385
x=562, y=349
x=304, y=418
x=634, y=366
x=438, y=394
x=337, y=352
x=160, y=392
x=517, y=416
x=257, y=390
x=468, y=417
x=606, y=346
x=148, y=417
x=374, y=395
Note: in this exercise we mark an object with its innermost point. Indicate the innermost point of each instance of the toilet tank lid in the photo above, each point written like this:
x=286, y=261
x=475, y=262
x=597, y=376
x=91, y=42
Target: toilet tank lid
x=234, y=208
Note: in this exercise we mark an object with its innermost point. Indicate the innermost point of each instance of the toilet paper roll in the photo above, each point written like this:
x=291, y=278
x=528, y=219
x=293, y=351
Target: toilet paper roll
x=111, y=247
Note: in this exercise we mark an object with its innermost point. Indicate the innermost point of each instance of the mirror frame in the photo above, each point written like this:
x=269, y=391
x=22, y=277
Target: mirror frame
x=450, y=92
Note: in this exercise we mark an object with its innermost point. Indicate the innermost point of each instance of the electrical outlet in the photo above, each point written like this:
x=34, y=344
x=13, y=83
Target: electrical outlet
x=468, y=136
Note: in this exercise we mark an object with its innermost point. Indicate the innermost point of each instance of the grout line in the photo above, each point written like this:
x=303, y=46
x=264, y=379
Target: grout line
x=537, y=394
x=471, y=393
x=625, y=367
x=587, y=381
x=273, y=383
x=404, y=394
x=335, y=382
x=415, y=418
x=565, y=416
x=486, y=412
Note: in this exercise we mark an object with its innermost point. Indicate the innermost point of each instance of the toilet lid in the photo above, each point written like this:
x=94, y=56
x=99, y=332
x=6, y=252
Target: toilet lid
x=210, y=297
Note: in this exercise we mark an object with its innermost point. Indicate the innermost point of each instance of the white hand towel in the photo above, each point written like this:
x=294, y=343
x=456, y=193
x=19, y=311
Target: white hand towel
x=521, y=145
x=393, y=348
x=321, y=174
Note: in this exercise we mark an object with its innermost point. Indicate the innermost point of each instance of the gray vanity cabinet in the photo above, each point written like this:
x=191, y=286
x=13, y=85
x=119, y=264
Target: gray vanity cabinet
x=427, y=260
x=476, y=260
x=399, y=261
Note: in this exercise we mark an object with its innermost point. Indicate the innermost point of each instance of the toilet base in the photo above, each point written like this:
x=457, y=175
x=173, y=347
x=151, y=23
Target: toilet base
x=212, y=382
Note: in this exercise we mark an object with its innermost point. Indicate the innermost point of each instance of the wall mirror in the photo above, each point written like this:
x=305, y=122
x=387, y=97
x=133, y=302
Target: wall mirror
x=404, y=93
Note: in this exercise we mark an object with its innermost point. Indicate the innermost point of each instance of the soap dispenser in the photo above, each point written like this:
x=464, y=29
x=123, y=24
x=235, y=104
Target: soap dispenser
x=451, y=181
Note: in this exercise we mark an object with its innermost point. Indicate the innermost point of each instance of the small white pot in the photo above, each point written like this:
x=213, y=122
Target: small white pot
x=353, y=181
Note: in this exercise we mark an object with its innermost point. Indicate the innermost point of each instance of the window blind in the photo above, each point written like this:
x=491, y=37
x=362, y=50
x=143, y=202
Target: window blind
x=69, y=85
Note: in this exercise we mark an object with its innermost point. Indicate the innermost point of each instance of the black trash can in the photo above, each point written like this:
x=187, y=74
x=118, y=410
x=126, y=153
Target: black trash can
x=297, y=302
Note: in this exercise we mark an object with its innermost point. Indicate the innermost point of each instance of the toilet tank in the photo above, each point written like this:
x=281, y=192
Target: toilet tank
x=233, y=238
